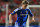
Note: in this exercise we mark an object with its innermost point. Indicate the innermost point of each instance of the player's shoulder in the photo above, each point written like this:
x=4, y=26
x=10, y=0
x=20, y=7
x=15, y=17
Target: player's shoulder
x=28, y=9
x=17, y=9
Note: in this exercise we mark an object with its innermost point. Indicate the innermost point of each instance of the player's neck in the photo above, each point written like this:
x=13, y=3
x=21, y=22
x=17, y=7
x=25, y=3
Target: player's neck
x=23, y=8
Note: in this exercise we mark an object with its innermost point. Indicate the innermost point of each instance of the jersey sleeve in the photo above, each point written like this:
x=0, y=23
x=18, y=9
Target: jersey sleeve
x=30, y=13
x=15, y=11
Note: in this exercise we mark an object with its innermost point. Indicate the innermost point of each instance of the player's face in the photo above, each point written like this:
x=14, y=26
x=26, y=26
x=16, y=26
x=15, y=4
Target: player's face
x=24, y=6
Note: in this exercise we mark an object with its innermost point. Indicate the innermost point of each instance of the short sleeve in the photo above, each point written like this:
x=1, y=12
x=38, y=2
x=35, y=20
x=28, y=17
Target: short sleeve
x=30, y=13
x=15, y=11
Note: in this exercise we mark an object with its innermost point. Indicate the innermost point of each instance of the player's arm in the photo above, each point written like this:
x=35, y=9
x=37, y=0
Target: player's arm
x=33, y=19
x=10, y=16
x=30, y=13
x=10, y=19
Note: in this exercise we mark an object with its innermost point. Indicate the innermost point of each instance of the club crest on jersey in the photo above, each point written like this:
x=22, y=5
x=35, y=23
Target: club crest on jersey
x=26, y=11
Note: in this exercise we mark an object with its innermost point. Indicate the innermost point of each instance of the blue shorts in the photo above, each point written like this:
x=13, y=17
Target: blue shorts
x=20, y=24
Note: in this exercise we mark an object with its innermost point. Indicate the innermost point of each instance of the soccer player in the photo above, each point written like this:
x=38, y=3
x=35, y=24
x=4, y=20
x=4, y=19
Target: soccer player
x=22, y=14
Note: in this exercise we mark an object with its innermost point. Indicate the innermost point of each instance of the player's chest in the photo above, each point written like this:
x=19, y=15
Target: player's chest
x=23, y=12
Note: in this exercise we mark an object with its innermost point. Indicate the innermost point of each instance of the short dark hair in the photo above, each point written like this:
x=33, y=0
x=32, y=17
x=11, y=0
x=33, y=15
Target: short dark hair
x=25, y=2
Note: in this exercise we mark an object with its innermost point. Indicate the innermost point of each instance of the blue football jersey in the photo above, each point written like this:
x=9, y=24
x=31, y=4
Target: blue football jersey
x=22, y=14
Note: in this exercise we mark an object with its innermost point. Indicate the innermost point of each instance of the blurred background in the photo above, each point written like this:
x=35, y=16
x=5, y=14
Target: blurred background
x=13, y=4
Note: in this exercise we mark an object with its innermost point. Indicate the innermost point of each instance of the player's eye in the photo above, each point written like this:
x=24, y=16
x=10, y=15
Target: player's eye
x=25, y=5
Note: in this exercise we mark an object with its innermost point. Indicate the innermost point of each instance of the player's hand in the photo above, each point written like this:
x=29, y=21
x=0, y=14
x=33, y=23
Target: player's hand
x=10, y=24
x=33, y=20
